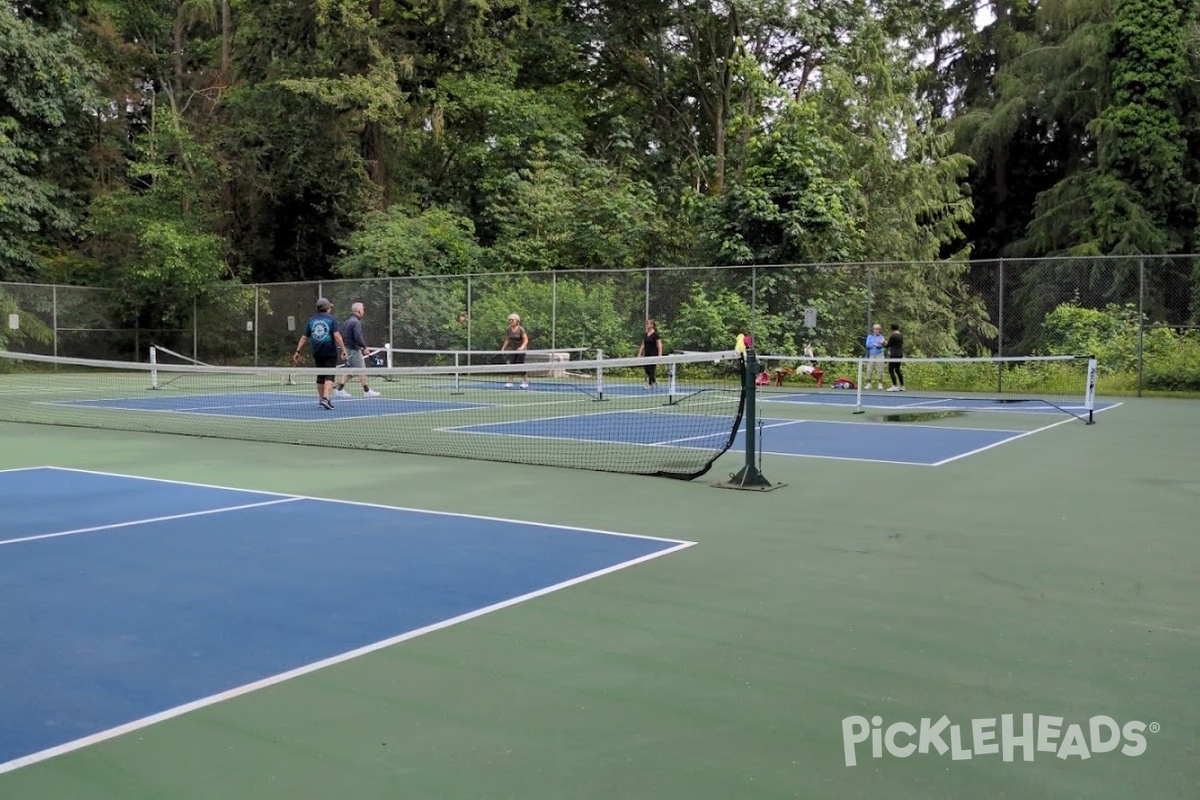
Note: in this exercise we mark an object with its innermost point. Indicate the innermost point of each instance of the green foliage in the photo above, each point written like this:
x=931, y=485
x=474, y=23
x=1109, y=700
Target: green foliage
x=46, y=93
x=154, y=240
x=1176, y=369
x=426, y=315
x=1171, y=360
x=594, y=315
x=31, y=328
x=564, y=210
x=711, y=322
x=401, y=242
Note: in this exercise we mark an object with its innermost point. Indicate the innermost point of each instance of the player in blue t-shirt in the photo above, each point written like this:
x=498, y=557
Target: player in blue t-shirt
x=875, y=342
x=324, y=334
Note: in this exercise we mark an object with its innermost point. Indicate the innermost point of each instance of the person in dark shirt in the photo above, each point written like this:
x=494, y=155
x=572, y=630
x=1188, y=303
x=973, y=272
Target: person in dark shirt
x=652, y=346
x=324, y=334
x=356, y=345
x=895, y=352
x=516, y=342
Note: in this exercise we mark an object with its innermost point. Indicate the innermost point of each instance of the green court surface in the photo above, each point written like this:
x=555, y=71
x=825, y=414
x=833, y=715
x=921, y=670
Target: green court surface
x=1054, y=575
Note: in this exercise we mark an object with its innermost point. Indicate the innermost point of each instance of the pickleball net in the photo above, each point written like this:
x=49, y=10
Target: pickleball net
x=1030, y=384
x=599, y=414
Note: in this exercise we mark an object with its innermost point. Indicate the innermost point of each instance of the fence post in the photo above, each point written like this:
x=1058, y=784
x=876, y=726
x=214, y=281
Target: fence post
x=54, y=316
x=646, y=310
x=470, y=317
x=256, y=324
x=754, y=300
x=391, y=310
x=1141, y=319
x=1000, y=324
x=553, y=308
x=195, y=328
x=870, y=294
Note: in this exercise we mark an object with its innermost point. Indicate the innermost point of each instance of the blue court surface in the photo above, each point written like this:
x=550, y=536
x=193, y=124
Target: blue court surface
x=913, y=401
x=129, y=600
x=928, y=445
x=283, y=406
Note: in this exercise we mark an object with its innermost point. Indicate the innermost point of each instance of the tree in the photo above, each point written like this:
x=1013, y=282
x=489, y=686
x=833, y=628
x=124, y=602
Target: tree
x=154, y=238
x=47, y=97
x=400, y=242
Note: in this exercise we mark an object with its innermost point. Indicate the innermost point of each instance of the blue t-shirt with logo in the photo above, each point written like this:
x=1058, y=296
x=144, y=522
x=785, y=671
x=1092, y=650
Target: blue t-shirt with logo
x=320, y=330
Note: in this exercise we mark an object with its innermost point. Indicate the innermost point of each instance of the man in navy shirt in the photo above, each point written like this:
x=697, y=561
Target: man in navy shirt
x=324, y=334
x=357, y=346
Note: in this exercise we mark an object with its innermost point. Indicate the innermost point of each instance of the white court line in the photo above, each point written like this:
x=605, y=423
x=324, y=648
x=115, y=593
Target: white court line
x=195, y=705
x=1004, y=441
x=227, y=411
x=112, y=733
x=859, y=459
x=148, y=520
x=909, y=425
x=364, y=504
x=1023, y=435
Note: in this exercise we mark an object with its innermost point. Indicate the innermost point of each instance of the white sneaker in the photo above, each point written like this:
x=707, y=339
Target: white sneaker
x=879, y=386
x=893, y=388
x=508, y=386
x=524, y=385
x=902, y=388
x=342, y=394
x=371, y=393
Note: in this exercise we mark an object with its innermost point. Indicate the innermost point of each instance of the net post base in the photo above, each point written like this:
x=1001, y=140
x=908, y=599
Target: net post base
x=748, y=478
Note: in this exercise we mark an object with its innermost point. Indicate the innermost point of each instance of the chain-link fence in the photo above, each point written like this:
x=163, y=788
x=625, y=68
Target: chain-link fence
x=1140, y=315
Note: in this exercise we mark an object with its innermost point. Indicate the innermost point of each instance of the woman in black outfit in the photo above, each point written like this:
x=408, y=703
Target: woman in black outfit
x=895, y=352
x=652, y=346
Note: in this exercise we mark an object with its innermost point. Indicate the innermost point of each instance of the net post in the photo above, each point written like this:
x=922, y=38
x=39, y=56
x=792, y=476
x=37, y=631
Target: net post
x=749, y=476
x=671, y=372
x=858, y=404
x=1089, y=398
x=153, y=367
x=599, y=374
x=387, y=354
x=457, y=384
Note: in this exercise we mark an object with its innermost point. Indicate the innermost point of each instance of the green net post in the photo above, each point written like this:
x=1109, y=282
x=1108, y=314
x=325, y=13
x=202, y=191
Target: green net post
x=750, y=476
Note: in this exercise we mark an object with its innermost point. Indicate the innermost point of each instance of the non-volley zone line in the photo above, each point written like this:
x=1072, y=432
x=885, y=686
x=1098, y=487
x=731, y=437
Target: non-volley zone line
x=311, y=582
x=911, y=401
x=276, y=406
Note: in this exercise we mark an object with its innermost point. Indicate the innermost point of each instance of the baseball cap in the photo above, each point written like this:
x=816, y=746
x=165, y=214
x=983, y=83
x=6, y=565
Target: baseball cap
x=324, y=305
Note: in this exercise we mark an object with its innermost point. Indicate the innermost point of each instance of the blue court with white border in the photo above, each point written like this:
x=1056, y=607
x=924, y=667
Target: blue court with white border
x=128, y=600
x=667, y=425
x=928, y=445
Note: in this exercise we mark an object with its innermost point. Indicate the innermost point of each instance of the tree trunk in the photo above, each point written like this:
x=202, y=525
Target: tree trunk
x=177, y=43
x=372, y=137
x=227, y=40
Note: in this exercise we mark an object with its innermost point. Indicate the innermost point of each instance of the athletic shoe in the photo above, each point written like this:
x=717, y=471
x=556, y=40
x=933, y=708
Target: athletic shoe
x=326, y=404
x=524, y=385
x=341, y=394
x=893, y=388
x=879, y=386
x=508, y=386
x=902, y=388
x=371, y=393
